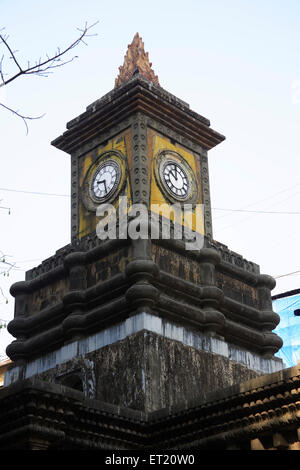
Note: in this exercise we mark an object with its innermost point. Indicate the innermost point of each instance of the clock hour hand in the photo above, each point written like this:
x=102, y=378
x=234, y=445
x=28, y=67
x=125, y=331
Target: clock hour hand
x=103, y=182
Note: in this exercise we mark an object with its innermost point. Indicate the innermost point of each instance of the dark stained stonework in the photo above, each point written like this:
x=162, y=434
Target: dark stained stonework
x=148, y=372
x=260, y=414
x=212, y=330
x=102, y=289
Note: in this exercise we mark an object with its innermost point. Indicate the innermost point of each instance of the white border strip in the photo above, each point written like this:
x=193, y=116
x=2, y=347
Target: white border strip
x=132, y=325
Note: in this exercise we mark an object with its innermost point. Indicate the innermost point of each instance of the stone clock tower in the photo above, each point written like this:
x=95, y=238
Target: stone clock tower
x=142, y=322
x=131, y=141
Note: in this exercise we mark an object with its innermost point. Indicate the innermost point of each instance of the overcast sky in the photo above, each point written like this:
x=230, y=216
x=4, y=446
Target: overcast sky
x=236, y=62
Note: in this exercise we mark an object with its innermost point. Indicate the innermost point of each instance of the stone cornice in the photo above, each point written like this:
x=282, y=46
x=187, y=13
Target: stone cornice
x=230, y=262
x=137, y=94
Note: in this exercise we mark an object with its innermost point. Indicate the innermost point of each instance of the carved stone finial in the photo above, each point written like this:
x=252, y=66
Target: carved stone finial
x=136, y=61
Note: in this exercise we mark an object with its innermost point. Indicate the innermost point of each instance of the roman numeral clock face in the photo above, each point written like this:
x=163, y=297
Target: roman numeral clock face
x=105, y=180
x=176, y=180
x=175, y=177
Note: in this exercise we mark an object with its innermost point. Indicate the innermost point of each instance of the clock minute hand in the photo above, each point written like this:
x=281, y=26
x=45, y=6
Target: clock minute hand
x=174, y=174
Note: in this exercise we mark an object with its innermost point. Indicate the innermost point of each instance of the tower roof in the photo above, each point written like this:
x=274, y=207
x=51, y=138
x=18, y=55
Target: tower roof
x=136, y=61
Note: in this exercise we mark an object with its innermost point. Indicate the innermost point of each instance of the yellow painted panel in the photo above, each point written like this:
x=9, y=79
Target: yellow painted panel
x=194, y=220
x=88, y=219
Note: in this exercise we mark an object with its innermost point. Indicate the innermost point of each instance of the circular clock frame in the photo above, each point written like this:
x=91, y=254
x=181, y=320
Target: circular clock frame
x=90, y=198
x=180, y=175
x=175, y=180
x=105, y=181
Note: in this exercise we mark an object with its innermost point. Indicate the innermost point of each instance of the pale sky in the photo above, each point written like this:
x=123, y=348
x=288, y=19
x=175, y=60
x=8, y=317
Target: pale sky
x=236, y=62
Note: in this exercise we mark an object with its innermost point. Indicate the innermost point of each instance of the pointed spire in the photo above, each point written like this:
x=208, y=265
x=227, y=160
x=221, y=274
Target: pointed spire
x=136, y=61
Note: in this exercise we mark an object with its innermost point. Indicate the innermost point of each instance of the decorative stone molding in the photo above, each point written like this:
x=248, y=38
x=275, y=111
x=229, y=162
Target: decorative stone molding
x=136, y=61
x=140, y=176
x=137, y=95
x=260, y=414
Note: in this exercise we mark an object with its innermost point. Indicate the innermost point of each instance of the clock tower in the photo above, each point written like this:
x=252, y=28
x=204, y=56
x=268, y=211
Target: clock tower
x=132, y=317
x=137, y=141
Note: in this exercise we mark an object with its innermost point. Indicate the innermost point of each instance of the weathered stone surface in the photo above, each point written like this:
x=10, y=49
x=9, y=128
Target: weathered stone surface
x=148, y=372
x=113, y=111
x=261, y=413
x=95, y=288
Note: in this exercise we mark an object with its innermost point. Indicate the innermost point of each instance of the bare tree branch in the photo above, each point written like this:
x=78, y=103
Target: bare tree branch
x=41, y=68
x=49, y=62
x=24, y=118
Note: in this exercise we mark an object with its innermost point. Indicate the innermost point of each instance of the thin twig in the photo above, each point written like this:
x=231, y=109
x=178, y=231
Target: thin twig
x=24, y=118
x=12, y=54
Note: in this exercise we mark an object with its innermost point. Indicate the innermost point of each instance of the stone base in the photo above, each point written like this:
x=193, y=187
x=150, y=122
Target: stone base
x=147, y=364
x=148, y=372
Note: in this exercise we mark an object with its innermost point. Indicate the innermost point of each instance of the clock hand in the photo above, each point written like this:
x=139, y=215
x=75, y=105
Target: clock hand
x=103, y=182
x=174, y=175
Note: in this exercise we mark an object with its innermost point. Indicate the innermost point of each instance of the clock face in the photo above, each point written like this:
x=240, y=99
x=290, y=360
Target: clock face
x=176, y=180
x=105, y=180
